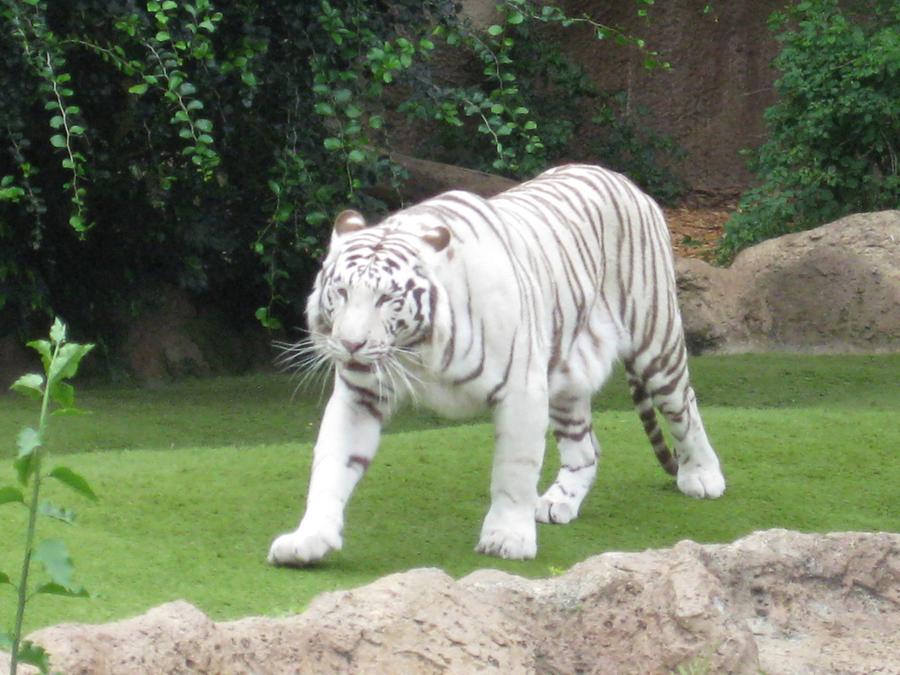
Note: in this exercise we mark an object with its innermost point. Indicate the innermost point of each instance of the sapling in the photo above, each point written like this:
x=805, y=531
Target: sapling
x=60, y=359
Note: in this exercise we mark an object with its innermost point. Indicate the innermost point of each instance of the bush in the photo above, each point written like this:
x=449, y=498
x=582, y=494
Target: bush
x=207, y=146
x=834, y=134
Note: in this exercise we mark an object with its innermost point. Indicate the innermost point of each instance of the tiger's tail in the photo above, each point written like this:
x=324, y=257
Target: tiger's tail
x=643, y=403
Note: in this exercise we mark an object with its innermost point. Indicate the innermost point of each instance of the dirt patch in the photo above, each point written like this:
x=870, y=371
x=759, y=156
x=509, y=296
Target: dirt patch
x=696, y=231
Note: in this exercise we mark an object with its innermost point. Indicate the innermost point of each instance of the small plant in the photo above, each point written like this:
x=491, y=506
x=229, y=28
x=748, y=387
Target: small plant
x=60, y=359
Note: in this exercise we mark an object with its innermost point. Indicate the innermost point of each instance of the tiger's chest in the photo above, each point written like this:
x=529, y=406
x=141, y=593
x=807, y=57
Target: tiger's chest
x=449, y=399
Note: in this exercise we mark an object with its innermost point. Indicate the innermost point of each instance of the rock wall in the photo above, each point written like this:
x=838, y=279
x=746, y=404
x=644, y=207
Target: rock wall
x=712, y=99
x=777, y=601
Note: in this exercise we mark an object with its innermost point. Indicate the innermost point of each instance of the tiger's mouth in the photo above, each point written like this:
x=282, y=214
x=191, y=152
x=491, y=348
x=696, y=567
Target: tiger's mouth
x=359, y=366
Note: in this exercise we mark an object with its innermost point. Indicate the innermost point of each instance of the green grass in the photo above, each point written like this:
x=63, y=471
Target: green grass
x=196, y=479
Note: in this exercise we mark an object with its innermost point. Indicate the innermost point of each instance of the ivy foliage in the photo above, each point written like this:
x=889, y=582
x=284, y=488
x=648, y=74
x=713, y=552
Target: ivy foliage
x=206, y=144
x=834, y=134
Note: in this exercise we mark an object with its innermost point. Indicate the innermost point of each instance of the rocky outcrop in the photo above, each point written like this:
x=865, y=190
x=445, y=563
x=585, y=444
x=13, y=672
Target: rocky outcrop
x=832, y=289
x=775, y=601
x=426, y=178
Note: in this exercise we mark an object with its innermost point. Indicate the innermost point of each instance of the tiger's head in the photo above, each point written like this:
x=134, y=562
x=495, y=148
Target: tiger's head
x=374, y=299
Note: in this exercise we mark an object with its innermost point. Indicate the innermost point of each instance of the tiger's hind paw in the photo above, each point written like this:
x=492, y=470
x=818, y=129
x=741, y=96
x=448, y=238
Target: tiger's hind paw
x=557, y=512
x=696, y=480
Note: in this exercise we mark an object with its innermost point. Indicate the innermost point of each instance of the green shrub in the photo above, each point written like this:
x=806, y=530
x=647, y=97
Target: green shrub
x=834, y=134
x=206, y=145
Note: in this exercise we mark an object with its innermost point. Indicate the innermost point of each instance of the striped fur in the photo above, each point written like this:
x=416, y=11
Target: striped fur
x=521, y=303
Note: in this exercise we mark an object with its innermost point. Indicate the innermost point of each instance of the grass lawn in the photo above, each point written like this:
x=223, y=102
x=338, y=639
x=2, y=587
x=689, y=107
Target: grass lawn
x=196, y=478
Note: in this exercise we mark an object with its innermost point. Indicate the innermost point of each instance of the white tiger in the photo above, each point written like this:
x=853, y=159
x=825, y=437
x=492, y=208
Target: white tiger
x=521, y=303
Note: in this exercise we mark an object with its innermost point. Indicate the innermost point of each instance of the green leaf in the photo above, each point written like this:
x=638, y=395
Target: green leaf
x=56, y=121
x=27, y=442
x=69, y=412
x=342, y=96
x=73, y=480
x=332, y=143
x=162, y=36
x=63, y=394
x=267, y=320
x=9, y=495
x=376, y=121
x=30, y=385
x=34, y=655
x=58, y=331
x=4, y=579
x=77, y=223
x=53, y=588
x=204, y=124
x=54, y=557
x=25, y=466
x=353, y=111
x=139, y=89
x=65, y=365
x=58, y=141
x=495, y=30
x=324, y=108
x=50, y=510
x=357, y=156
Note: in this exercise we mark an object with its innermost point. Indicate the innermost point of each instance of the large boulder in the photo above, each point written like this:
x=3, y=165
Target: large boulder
x=832, y=289
x=426, y=178
x=775, y=601
x=174, y=335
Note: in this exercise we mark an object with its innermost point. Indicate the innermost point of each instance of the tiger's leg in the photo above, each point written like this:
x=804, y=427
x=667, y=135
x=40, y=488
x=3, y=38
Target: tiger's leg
x=346, y=445
x=699, y=473
x=520, y=422
x=579, y=454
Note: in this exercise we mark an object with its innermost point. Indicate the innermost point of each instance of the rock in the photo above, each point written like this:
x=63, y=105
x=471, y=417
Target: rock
x=774, y=601
x=174, y=336
x=157, y=346
x=835, y=288
x=427, y=179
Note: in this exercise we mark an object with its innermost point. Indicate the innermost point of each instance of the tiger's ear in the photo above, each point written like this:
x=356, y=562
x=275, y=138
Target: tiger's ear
x=348, y=221
x=438, y=238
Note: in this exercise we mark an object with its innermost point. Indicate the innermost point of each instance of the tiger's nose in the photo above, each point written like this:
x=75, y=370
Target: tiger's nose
x=353, y=347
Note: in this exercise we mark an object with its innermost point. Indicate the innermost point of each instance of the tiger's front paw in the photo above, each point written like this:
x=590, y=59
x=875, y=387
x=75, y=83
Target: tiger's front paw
x=512, y=539
x=306, y=545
